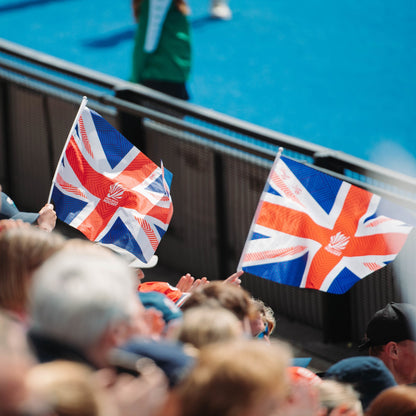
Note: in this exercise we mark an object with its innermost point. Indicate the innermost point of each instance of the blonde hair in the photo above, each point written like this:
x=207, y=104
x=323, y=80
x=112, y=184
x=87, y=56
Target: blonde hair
x=68, y=388
x=266, y=313
x=202, y=326
x=22, y=251
x=230, y=378
x=333, y=394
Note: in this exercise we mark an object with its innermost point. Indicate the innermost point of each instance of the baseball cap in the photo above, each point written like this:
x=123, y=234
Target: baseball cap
x=8, y=210
x=368, y=375
x=162, y=303
x=395, y=322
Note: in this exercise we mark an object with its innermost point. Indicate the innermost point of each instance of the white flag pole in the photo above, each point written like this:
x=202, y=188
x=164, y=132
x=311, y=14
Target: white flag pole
x=81, y=108
x=250, y=233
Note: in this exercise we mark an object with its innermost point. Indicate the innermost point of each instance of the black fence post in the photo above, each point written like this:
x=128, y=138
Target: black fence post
x=4, y=136
x=131, y=126
x=336, y=308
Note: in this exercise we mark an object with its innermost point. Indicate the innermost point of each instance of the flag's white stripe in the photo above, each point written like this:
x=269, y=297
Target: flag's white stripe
x=123, y=164
x=356, y=265
x=279, y=240
x=80, y=110
x=307, y=202
x=133, y=226
x=381, y=224
x=85, y=212
x=150, y=219
x=99, y=161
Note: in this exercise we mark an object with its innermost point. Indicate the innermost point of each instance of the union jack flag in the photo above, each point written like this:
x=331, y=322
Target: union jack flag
x=109, y=190
x=312, y=230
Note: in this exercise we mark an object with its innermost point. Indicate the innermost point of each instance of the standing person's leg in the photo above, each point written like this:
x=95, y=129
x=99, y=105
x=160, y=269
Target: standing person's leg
x=220, y=9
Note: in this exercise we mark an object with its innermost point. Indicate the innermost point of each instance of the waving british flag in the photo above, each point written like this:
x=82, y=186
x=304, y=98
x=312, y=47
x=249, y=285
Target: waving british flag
x=312, y=230
x=109, y=190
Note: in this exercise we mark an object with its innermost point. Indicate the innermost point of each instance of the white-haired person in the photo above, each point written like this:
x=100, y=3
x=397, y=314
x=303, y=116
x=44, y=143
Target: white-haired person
x=84, y=308
x=83, y=302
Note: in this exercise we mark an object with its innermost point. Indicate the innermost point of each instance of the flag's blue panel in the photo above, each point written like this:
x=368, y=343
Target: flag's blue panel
x=257, y=236
x=108, y=136
x=69, y=207
x=324, y=188
x=120, y=236
x=287, y=272
x=168, y=176
x=157, y=185
x=161, y=231
x=273, y=191
x=343, y=282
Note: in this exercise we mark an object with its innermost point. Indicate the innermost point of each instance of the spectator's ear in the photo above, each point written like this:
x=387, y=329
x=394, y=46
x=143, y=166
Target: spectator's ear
x=392, y=350
x=116, y=334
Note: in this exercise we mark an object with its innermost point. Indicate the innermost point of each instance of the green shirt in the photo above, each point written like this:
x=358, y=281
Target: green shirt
x=171, y=61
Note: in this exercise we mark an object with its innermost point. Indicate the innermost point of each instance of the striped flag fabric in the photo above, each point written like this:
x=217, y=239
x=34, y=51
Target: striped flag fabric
x=312, y=230
x=109, y=190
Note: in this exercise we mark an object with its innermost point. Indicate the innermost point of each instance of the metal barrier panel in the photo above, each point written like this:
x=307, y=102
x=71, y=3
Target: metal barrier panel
x=243, y=181
x=218, y=178
x=3, y=132
x=302, y=305
x=28, y=158
x=191, y=240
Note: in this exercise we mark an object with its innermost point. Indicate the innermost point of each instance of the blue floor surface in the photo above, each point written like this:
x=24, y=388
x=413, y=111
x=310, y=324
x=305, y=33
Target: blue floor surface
x=339, y=74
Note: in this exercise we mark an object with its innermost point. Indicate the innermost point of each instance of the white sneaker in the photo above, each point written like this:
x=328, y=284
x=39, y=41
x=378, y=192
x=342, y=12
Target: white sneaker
x=220, y=10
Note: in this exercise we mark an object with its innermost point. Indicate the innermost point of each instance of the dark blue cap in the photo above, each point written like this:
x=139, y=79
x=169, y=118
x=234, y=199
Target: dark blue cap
x=368, y=375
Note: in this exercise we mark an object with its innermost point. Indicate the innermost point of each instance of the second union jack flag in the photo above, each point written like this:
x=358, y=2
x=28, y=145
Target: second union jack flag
x=109, y=190
x=312, y=230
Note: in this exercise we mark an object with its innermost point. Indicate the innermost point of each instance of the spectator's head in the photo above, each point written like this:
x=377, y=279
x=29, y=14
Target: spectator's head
x=397, y=401
x=263, y=322
x=167, y=321
x=231, y=297
x=15, y=363
x=204, y=325
x=87, y=300
x=368, y=375
x=22, y=251
x=336, y=395
x=67, y=388
x=391, y=337
x=244, y=377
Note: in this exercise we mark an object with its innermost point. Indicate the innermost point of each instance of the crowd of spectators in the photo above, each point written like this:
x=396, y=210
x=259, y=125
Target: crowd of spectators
x=83, y=333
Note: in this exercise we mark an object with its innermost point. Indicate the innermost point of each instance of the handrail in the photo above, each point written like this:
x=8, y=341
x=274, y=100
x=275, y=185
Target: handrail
x=103, y=88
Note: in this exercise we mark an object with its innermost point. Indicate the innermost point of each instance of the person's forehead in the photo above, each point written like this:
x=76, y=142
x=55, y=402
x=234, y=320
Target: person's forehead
x=409, y=345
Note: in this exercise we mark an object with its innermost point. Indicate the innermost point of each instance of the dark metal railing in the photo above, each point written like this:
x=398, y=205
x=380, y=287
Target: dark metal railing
x=219, y=163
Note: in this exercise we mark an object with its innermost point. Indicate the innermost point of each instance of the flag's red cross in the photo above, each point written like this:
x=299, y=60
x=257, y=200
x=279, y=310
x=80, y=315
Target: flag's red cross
x=299, y=224
x=98, y=184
